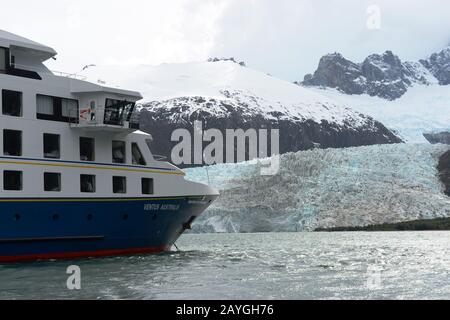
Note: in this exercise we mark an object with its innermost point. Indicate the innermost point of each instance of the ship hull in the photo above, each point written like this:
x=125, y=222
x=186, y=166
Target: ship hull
x=35, y=229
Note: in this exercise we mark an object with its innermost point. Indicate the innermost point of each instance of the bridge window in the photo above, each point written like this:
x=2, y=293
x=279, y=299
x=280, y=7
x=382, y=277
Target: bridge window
x=12, y=142
x=51, y=146
x=147, y=185
x=87, y=183
x=12, y=103
x=87, y=149
x=118, y=152
x=12, y=180
x=119, y=184
x=137, y=155
x=52, y=181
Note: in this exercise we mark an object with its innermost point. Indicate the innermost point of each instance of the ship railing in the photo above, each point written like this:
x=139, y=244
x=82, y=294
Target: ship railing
x=43, y=70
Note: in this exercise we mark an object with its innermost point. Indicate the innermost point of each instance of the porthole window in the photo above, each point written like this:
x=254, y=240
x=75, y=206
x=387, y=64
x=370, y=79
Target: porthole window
x=125, y=217
x=17, y=217
x=55, y=217
x=90, y=217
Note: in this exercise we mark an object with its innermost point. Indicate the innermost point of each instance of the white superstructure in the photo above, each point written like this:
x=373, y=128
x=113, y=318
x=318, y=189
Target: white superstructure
x=65, y=137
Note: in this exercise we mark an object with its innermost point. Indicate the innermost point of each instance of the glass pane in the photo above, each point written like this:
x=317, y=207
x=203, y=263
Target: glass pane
x=44, y=105
x=137, y=155
x=119, y=185
x=2, y=60
x=12, y=103
x=87, y=183
x=118, y=152
x=52, y=181
x=12, y=143
x=12, y=180
x=51, y=146
x=69, y=108
x=87, y=149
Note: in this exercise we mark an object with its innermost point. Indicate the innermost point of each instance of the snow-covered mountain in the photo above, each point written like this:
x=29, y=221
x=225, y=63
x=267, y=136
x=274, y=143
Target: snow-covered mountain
x=422, y=109
x=382, y=75
x=227, y=95
x=328, y=188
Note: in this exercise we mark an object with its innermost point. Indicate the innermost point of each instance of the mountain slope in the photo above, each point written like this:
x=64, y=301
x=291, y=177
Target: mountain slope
x=225, y=95
x=382, y=75
x=420, y=110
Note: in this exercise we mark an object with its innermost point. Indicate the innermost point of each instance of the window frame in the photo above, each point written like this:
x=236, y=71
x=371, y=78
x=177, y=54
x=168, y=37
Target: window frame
x=58, y=174
x=57, y=110
x=93, y=185
x=135, y=144
x=59, y=145
x=20, y=177
x=124, y=179
x=124, y=151
x=152, y=186
x=20, y=94
x=93, y=148
x=5, y=143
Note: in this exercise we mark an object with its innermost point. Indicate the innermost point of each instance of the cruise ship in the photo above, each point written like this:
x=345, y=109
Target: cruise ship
x=77, y=176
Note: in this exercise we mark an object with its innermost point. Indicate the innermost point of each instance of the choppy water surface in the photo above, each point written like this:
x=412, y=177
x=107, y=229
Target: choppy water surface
x=255, y=266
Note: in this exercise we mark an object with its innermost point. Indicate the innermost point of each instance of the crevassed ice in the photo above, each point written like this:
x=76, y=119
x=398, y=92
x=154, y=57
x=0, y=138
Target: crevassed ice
x=326, y=188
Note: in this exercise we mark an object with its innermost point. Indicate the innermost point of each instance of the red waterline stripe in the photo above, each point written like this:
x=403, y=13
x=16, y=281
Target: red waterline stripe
x=85, y=254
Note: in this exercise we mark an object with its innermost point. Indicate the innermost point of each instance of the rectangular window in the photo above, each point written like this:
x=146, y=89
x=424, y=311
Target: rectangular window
x=12, y=103
x=147, y=185
x=52, y=181
x=87, y=183
x=12, y=180
x=137, y=155
x=119, y=185
x=56, y=109
x=44, y=105
x=51, y=146
x=12, y=142
x=3, y=60
x=118, y=152
x=69, y=108
x=87, y=149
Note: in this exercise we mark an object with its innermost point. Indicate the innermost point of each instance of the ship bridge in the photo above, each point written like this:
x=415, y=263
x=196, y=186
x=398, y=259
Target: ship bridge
x=104, y=108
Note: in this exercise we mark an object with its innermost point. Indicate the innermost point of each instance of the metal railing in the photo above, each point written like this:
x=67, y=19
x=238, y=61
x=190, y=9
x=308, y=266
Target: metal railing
x=56, y=73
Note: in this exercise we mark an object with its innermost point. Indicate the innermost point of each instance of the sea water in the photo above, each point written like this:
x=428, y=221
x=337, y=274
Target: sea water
x=360, y=265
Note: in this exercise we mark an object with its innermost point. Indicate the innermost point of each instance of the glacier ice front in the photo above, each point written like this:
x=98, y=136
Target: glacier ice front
x=326, y=188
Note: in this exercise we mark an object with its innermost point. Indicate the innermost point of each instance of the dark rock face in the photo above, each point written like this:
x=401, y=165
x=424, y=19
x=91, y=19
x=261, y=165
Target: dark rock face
x=441, y=137
x=439, y=65
x=241, y=63
x=161, y=118
x=444, y=171
x=384, y=75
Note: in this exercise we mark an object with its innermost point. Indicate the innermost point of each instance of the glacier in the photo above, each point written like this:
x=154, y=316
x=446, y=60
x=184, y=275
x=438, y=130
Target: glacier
x=422, y=109
x=326, y=188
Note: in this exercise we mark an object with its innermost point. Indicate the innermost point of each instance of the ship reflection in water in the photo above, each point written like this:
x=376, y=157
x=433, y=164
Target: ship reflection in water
x=408, y=265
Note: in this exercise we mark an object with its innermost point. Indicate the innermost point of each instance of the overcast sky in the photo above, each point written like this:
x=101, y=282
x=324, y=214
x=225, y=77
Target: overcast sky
x=285, y=38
